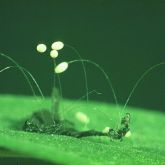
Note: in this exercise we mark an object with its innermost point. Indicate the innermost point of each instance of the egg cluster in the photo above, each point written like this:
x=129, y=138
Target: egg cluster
x=56, y=46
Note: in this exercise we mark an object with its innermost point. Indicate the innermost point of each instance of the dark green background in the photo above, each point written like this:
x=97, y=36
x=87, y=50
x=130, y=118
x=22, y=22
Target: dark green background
x=124, y=37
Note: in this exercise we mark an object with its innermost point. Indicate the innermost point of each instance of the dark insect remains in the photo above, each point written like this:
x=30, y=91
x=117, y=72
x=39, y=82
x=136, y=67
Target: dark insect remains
x=49, y=122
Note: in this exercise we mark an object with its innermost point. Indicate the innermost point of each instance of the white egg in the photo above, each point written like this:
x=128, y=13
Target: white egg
x=54, y=53
x=128, y=134
x=106, y=130
x=58, y=45
x=41, y=48
x=62, y=67
x=82, y=117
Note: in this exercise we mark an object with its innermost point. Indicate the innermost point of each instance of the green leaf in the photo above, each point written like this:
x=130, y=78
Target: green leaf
x=145, y=146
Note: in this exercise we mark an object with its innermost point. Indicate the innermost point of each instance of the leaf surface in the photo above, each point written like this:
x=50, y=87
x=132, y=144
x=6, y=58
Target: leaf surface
x=145, y=146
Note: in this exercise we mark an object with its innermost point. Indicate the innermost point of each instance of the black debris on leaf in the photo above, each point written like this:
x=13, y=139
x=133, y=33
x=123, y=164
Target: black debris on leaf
x=42, y=122
x=49, y=122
